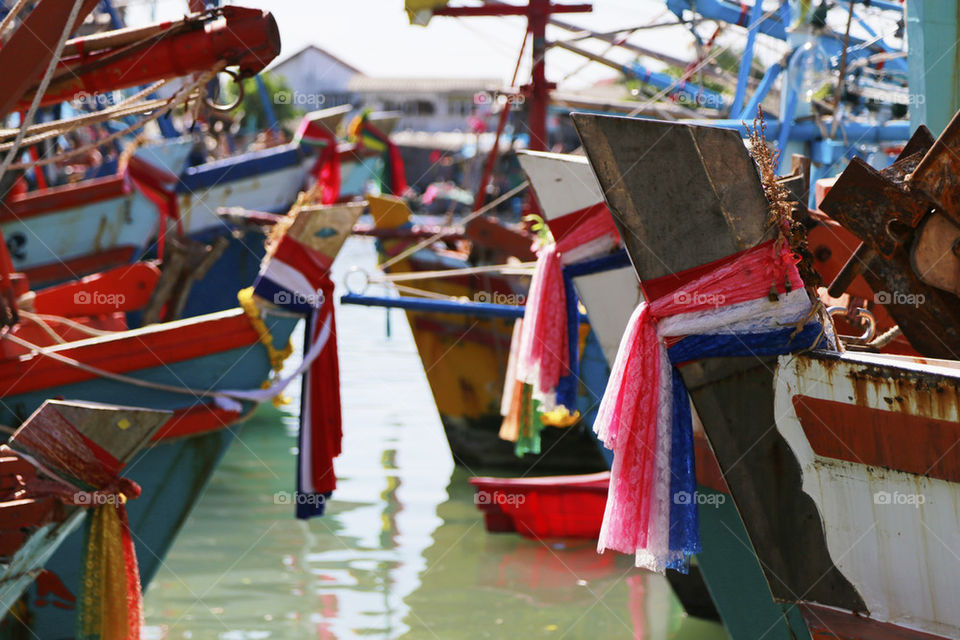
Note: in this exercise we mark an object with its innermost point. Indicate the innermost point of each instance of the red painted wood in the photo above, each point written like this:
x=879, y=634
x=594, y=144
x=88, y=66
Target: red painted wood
x=878, y=438
x=67, y=269
x=195, y=420
x=488, y=232
x=17, y=514
x=126, y=288
x=10, y=541
x=35, y=203
x=826, y=623
x=27, y=53
x=247, y=38
x=130, y=351
x=708, y=469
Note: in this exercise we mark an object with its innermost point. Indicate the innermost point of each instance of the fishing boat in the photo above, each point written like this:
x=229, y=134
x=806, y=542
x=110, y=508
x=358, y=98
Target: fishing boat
x=125, y=205
x=832, y=511
x=188, y=367
x=77, y=229
x=39, y=507
x=265, y=181
x=465, y=354
x=571, y=201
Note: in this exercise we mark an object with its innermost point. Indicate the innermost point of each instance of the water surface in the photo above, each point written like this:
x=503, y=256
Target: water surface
x=402, y=552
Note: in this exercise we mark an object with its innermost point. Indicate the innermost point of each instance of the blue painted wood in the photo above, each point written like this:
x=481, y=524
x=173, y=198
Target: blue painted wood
x=240, y=167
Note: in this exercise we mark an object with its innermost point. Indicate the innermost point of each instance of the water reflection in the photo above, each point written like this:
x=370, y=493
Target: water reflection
x=402, y=552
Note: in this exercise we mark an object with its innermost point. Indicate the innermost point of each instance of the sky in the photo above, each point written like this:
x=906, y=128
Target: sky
x=376, y=37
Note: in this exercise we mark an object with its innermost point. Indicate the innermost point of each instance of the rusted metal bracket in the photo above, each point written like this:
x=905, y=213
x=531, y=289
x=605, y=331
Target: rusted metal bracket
x=889, y=213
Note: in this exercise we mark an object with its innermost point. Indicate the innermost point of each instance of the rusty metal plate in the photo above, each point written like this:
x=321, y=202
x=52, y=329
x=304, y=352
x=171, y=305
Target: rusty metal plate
x=681, y=195
x=937, y=174
x=932, y=254
x=870, y=205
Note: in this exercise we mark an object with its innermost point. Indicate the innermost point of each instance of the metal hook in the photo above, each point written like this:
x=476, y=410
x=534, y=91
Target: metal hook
x=231, y=106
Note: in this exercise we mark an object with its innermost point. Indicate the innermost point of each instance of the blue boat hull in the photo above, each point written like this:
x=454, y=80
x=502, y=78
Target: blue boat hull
x=173, y=473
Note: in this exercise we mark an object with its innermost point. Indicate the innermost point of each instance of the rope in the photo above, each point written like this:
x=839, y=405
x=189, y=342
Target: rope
x=444, y=232
x=179, y=98
x=47, y=317
x=59, y=127
x=44, y=83
x=423, y=293
x=521, y=268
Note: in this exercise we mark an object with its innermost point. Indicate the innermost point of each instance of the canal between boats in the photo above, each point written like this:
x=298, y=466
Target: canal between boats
x=402, y=551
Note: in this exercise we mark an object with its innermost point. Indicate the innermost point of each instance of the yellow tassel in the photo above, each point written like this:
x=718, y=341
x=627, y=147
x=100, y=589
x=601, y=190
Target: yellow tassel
x=249, y=305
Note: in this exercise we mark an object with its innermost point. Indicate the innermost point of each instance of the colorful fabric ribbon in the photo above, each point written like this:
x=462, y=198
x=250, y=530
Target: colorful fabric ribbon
x=110, y=599
x=297, y=277
x=326, y=170
x=726, y=308
x=542, y=371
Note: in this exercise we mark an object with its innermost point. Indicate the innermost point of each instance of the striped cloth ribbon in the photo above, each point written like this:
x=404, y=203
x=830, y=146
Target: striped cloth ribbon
x=748, y=304
x=297, y=278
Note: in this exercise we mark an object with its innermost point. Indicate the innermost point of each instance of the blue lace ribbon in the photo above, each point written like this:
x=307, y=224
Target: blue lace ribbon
x=684, y=521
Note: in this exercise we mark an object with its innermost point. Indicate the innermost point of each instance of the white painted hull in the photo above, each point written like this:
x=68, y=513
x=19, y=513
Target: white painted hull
x=273, y=191
x=86, y=230
x=895, y=535
x=565, y=183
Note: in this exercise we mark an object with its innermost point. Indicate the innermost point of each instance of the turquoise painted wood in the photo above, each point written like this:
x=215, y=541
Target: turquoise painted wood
x=173, y=473
x=932, y=62
x=735, y=579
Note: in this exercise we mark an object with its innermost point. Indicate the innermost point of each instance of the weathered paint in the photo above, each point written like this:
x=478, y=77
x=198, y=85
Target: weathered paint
x=882, y=476
x=124, y=222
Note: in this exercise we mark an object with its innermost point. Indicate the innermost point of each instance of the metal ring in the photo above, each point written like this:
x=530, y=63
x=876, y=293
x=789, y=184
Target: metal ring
x=231, y=106
x=366, y=280
x=866, y=318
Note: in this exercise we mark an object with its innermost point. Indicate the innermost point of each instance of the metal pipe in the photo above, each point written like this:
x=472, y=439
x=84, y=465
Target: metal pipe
x=746, y=63
x=480, y=309
x=749, y=112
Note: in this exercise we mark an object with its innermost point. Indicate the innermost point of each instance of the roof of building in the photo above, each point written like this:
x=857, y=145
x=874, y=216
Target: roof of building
x=314, y=48
x=370, y=84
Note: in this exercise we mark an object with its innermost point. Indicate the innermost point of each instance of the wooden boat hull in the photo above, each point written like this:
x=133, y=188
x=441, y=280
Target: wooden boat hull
x=175, y=470
x=465, y=358
x=73, y=231
x=806, y=443
x=566, y=187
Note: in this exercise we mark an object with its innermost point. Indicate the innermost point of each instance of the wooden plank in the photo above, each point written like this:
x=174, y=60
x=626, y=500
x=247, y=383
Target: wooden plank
x=681, y=195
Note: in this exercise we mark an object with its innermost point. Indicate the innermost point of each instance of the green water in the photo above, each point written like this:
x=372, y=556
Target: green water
x=402, y=551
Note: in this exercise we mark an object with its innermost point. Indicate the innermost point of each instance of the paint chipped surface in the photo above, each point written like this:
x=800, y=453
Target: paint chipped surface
x=890, y=505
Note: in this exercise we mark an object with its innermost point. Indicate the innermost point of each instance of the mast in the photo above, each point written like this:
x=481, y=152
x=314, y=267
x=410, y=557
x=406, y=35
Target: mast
x=538, y=13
